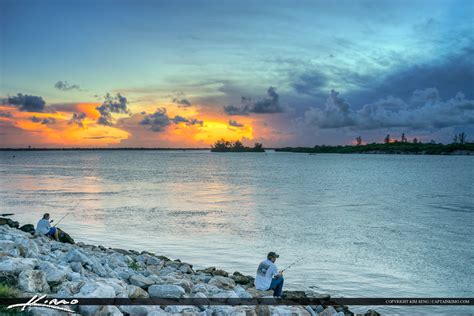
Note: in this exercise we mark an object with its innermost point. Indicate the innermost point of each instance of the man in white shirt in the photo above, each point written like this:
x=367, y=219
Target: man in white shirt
x=268, y=277
x=44, y=227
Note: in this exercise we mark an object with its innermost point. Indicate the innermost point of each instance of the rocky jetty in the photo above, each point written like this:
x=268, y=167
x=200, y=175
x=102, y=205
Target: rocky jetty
x=35, y=264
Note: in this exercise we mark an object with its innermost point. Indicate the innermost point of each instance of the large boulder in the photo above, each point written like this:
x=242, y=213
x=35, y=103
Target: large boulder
x=166, y=291
x=33, y=281
x=222, y=282
x=65, y=237
x=9, y=222
x=76, y=255
x=141, y=281
x=133, y=291
x=28, y=228
x=239, y=278
x=16, y=265
x=54, y=274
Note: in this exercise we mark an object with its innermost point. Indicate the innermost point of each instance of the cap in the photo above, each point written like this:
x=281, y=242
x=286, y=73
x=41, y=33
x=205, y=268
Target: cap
x=272, y=254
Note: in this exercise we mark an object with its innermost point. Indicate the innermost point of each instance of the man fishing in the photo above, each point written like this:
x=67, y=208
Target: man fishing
x=44, y=227
x=268, y=277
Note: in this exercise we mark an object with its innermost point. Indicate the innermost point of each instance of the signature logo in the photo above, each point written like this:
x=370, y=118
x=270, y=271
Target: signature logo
x=41, y=301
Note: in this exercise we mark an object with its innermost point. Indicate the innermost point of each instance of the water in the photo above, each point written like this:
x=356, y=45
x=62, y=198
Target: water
x=366, y=225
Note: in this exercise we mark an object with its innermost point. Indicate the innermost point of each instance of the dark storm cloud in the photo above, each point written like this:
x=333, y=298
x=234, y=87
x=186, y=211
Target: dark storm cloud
x=26, y=103
x=234, y=123
x=77, y=118
x=65, y=86
x=268, y=105
x=310, y=82
x=159, y=120
x=111, y=104
x=44, y=121
x=450, y=75
x=425, y=109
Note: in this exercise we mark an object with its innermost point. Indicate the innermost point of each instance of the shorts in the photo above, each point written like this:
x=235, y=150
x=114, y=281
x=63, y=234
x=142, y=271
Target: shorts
x=51, y=232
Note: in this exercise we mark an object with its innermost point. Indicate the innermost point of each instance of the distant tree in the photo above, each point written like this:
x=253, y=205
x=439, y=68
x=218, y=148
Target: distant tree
x=455, y=139
x=358, y=140
x=258, y=146
x=404, y=139
x=462, y=138
x=415, y=140
x=238, y=145
x=387, y=139
x=432, y=141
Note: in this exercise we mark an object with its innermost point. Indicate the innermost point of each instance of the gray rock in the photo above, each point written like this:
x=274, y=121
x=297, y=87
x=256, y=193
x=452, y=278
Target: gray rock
x=222, y=282
x=241, y=292
x=329, y=311
x=153, y=261
x=76, y=267
x=16, y=265
x=133, y=291
x=109, y=310
x=175, y=309
x=54, y=274
x=96, y=289
x=138, y=310
x=76, y=255
x=33, y=281
x=141, y=281
x=166, y=290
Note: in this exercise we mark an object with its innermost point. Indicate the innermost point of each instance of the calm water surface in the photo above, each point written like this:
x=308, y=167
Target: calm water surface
x=365, y=225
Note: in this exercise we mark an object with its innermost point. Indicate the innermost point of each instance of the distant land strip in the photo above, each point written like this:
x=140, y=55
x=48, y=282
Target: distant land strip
x=400, y=148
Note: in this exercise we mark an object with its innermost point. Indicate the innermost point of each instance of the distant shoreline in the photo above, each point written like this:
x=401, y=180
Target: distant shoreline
x=397, y=148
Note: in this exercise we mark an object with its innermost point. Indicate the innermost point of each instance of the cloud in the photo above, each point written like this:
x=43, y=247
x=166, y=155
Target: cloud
x=111, y=104
x=44, y=121
x=77, y=118
x=26, y=103
x=234, y=123
x=65, y=86
x=182, y=102
x=6, y=114
x=159, y=120
x=310, y=82
x=268, y=105
x=423, y=110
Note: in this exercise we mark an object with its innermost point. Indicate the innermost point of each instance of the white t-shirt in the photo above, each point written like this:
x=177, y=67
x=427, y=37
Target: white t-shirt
x=265, y=272
x=43, y=226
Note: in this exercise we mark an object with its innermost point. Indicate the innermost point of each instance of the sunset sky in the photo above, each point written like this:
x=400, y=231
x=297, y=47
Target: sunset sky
x=145, y=73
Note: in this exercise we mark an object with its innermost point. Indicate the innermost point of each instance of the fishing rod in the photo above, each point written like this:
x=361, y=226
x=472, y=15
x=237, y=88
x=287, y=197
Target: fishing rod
x=292, y=264
x=77, y=203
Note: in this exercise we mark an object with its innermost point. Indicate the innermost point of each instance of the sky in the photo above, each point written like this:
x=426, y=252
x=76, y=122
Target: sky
x=145, y=73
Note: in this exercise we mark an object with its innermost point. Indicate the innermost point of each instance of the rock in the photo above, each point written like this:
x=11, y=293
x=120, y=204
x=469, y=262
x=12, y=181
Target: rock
x=9, y=222
x=239, y=278
x=8, y=278
x=181, y=309
x=28, y=228
x=153, y=261
x=222, y=282
x=54, y=274
x=16, y=265
x=133, y=291
x=206, y=289
x=96, y=289
x=310, y=310
x=166, y=291
x=288, y=310
x=7, y=245
x=318, y=309
x=76, y=255
x=220, y=272
x=186, y=268
x=157, y=312
x=109, y=310
x=33, y=281
x=65, y=237
x=76, y=267
x=208, y=270
x=241, y=292
x=329, y=311
x=138, y=310
x=141, y=281
x=371, y=312
x=294, y=294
